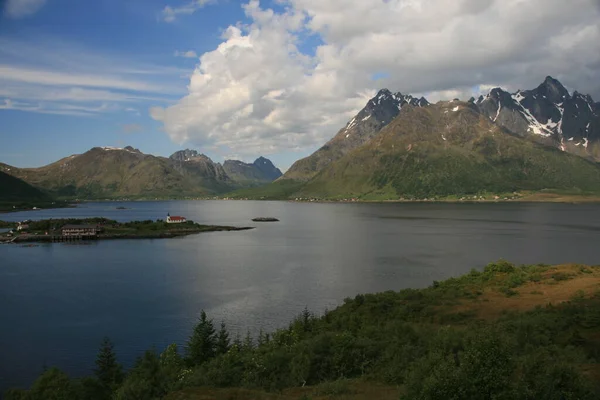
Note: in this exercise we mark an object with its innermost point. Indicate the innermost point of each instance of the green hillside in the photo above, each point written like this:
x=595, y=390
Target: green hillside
x=448, y=149
x=15, y=193
x=106, y=173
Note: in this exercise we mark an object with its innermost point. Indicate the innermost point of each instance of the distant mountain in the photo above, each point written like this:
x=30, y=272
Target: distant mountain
x=378, y=112
x=260, y=172
x=15, y=190
x=203, y=171
x=266, y=167
x=110, y=172
x=548, y=114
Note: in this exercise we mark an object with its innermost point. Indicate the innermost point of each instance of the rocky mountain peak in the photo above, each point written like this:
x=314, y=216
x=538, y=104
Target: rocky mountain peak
x=267, y=168
x=133, y=150
x=549, y=114
x=552, y=90
x=184, y=155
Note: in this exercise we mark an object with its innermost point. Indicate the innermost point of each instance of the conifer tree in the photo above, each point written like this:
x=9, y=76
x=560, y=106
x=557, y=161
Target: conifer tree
x=201, y=345
x=248, y=343
x=108, y=371
x=223, y=343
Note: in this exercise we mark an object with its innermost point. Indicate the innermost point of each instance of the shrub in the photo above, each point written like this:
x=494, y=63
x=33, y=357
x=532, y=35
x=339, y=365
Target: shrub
x=561, y=276
x=501, y=266
x=508, y=292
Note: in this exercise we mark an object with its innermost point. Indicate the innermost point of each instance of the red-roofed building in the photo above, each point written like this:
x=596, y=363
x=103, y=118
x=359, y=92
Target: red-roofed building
x=175, y=219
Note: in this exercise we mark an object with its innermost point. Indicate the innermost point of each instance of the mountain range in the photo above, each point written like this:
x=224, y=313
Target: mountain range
x=397, y=146
x=109, y=172
x=401, y=146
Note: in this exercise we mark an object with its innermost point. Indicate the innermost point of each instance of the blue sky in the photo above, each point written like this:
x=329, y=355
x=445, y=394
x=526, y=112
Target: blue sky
x=278, y=78
x=70, y=36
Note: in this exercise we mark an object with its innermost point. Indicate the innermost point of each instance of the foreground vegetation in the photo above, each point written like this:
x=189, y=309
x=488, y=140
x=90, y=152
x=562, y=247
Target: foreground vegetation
x=508, y=332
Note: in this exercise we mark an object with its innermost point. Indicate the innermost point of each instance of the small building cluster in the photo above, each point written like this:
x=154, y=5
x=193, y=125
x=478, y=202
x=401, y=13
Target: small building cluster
x=80, y=230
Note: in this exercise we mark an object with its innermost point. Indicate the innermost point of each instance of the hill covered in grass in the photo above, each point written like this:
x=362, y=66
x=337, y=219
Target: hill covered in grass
x=18, y=194
x=507, y=332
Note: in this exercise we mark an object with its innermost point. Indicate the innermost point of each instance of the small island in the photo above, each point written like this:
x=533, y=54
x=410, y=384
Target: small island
x=59, y=230
x=265, y=219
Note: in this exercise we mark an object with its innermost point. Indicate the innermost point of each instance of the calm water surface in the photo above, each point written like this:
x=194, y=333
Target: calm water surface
x=58, y=300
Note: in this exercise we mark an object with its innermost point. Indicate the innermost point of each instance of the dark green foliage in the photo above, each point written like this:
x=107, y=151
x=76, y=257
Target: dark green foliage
x=108, y=371
x=201, y=346
x=144, y=380
x=16, y=394
x=15, y=190
x=223, y=344
x=53, y=384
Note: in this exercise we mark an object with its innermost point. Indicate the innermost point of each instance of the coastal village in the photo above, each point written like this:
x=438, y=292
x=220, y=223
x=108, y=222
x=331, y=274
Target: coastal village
x=29, y=230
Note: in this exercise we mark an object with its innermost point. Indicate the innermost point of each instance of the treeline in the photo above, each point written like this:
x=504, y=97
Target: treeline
x=415, y=339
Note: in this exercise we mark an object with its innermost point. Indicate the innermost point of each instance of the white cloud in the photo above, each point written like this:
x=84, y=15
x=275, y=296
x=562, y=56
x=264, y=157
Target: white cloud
x=258, y=93
x=186, y=54
x=46, y=77
x=22, y=8
x=63, y=78
x=169, y=14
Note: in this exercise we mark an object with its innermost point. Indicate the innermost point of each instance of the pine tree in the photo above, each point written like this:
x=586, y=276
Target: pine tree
x=237, y=342
x=201, y=346
x=223, y=343
x=248, y=343
x=261, y=338
x=108, y=371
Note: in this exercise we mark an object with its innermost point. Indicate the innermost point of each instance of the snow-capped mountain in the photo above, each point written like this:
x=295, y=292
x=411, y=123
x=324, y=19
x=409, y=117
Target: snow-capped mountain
x=548, y=114
x=377, y=113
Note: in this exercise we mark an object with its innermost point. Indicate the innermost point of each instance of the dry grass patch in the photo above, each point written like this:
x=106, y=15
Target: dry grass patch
x=557, y=284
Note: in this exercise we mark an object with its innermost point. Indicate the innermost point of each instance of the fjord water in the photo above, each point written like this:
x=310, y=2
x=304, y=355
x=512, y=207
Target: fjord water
x=57, y=301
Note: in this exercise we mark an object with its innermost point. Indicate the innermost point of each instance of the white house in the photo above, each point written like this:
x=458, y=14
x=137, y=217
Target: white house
x=175, y=219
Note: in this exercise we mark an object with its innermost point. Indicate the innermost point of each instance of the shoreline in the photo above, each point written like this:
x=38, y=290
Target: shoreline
x=119, y=236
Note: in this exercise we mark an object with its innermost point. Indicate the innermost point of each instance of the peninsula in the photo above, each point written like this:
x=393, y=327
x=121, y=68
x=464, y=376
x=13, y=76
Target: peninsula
x=50, y=230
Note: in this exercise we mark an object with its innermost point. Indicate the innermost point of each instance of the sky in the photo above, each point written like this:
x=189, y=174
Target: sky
x=278, y=78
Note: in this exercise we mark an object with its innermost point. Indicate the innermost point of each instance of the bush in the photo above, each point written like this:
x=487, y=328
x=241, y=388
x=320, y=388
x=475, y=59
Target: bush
x=501, y=266
x=508, y=292
x=561, y=276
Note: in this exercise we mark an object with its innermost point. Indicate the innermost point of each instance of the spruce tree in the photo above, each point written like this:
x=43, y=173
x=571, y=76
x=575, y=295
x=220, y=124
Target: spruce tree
x=108, y=371
x=248, y=342
x=223, y=343
x=201, y=345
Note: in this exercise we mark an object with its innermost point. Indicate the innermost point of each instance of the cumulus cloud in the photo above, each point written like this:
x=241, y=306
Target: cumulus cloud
x=258, y=93
x=186, y=54
x=170, y=14
x=22, y=8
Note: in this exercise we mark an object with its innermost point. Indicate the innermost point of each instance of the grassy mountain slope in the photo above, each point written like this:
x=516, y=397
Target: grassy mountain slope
x=108, y=173
x=16, y=190
x=448, y=149
x=451, y=149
